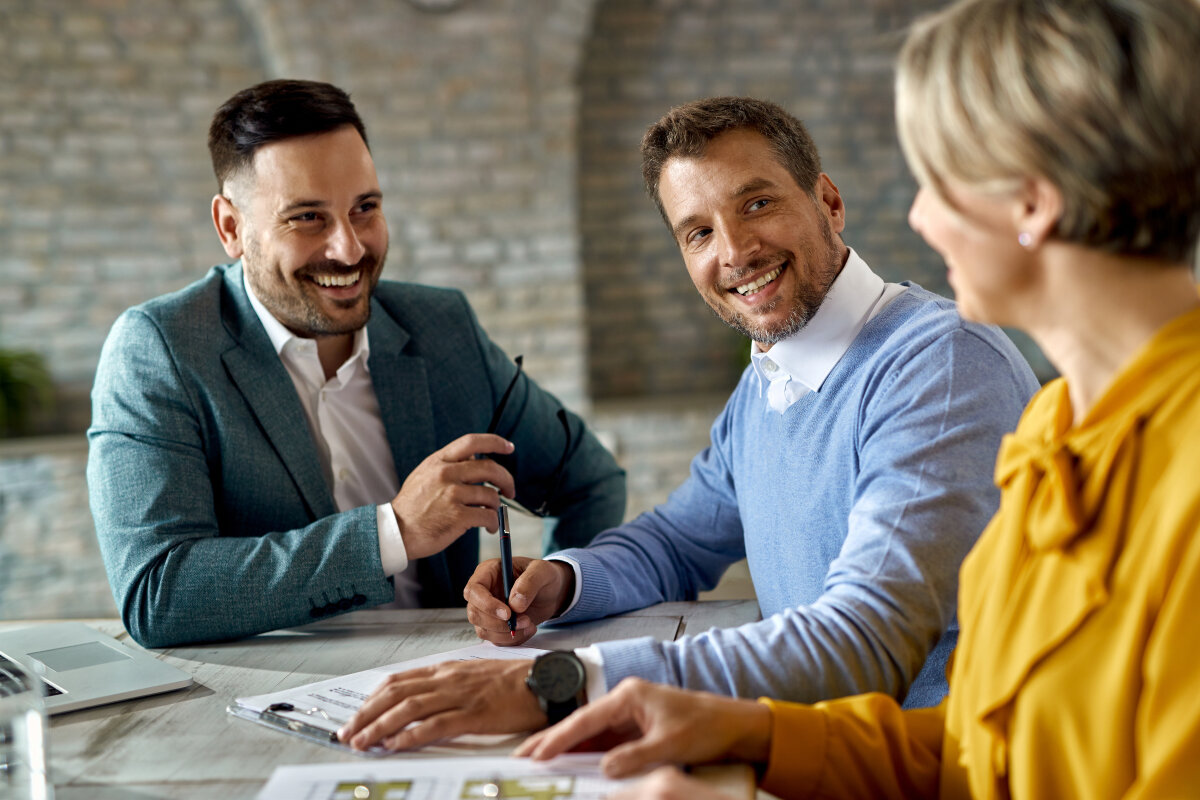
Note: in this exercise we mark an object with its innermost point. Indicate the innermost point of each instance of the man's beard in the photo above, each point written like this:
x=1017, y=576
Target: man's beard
x=299, y=311
x=806, y=299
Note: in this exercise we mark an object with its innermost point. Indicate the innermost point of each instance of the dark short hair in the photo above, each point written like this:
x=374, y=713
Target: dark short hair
x=270, y=112
x=687, y=129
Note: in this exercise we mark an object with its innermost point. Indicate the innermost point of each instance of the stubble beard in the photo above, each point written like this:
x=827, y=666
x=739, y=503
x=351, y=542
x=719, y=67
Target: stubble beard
x=297, y=309
x=805, y=300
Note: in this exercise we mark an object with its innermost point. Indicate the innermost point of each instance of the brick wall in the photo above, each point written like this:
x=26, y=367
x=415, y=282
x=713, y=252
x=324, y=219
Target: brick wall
x=505, y=133
x=827, y=62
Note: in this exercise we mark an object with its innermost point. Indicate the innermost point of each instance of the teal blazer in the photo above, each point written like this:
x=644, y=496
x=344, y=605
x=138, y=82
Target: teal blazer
x=214, y=517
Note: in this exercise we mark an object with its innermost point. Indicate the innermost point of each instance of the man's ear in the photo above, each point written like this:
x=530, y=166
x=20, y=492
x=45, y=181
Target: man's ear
x=228, y=222
x=830, y=199
x=1037, y=211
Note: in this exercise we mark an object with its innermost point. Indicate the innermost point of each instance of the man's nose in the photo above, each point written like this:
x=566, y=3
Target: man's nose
x=344, y=244
x=739, y=245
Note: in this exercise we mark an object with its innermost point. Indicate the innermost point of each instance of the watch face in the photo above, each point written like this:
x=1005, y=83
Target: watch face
x=558, y=676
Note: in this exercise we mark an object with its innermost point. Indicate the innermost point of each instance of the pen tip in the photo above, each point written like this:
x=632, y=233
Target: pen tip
x=513, y=634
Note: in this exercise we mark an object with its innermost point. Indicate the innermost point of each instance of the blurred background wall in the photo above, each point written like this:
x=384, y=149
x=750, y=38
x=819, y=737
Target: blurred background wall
x=505, y=133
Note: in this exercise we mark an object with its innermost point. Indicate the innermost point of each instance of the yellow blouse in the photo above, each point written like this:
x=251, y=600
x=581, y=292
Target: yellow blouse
x=1077, y=672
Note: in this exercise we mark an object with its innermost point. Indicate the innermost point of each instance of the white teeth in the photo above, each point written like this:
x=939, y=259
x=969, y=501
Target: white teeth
x=754, y=286
x=338, y=280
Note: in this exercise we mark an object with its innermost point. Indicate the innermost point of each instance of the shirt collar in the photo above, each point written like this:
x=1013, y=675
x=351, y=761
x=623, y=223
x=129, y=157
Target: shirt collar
x=810, y=354
x=280, y=335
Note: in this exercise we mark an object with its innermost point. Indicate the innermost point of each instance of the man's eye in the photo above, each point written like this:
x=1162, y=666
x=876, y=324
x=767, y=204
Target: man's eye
x=699, y=235
x=307, y=216
x=368, y=206
x=757, y=204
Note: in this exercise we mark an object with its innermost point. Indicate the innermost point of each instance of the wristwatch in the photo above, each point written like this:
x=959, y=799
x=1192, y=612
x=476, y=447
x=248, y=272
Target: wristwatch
x=558, y=680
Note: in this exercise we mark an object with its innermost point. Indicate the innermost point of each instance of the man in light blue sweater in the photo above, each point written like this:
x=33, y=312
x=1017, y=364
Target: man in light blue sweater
x=852, y=466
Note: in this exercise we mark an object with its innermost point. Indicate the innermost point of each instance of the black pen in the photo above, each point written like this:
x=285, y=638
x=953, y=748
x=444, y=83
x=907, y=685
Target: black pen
x=506, y=565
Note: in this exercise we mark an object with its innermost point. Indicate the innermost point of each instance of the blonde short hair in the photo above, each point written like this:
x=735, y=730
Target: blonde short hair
x=1100, y=97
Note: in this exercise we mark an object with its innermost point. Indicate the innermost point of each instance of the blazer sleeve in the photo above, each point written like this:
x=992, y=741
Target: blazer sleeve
x=183, y=565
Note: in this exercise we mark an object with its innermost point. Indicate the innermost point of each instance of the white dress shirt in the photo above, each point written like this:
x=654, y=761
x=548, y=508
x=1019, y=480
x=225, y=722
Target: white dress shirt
x=347, y=428
x=788, y=371
x=800, y=364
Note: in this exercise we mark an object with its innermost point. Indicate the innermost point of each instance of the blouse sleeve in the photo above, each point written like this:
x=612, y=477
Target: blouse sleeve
x=861, y=746
x=1167, y=727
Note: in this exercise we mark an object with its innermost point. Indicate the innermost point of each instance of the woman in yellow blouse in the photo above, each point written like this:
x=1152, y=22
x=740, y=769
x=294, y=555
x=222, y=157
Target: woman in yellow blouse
x=1057, y=146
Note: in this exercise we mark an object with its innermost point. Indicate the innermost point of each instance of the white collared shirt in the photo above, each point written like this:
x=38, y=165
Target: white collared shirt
x=800, y=364
x=347, y=428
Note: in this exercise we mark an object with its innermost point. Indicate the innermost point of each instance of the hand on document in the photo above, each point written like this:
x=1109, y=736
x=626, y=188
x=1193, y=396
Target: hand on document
x=652, y=724
x=429, y=704
x=541, y=590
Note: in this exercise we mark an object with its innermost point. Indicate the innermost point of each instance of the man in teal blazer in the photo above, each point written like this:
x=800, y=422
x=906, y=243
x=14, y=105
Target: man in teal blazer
x=289, y=437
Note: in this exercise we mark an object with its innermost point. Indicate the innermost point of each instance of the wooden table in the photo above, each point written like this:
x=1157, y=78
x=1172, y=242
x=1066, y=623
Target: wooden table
x=184, y=745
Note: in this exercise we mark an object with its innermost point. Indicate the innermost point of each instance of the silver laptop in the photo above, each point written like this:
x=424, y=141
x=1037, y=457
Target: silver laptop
x=82, y=667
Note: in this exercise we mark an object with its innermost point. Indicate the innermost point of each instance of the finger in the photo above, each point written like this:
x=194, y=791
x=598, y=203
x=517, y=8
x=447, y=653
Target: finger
x=637, y=756
x=474, y=495
x=391, y=690
x=505, y=637
x=470, y=516
x=526, y=748
x=483, y=472
x=473, y=444
x=445, y=725
x=494, y=636
x=411, y=709
x=537, y=577
x=584, y=723
x=485, y=608
x=484, y=585
x=492, y=623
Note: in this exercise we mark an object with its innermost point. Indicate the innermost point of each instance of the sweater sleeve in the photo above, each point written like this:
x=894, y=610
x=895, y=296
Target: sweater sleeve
x=670, y=553
x=862, y=746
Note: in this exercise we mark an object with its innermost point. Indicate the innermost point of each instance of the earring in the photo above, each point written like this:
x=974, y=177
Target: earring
x=1025, y=239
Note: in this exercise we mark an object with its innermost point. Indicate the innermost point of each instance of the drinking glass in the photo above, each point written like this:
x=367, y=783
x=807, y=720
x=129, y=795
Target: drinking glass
x=22, y=734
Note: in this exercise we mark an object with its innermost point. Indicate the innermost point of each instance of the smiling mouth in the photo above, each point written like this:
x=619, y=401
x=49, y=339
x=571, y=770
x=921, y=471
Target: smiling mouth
x=758, y=283
x=338, y=281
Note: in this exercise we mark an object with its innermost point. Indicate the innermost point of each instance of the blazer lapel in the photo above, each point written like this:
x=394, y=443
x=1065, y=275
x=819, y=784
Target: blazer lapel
x=260, y=377
x=402, y=390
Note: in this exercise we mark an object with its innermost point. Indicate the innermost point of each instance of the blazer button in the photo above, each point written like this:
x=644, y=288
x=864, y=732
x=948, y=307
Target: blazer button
x=358, y=599
x=316, y=611
x=344, y=604
x=331, y=608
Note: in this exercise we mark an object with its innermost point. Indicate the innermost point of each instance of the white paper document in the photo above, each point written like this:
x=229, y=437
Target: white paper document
x=568, y=777
x=316, y=710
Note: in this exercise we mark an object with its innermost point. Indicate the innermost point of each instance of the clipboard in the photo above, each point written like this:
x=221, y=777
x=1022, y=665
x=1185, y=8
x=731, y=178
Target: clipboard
x=315, y=711
x=306, y=724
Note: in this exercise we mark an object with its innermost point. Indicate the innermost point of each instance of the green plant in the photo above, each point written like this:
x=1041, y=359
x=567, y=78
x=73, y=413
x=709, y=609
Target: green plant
x=25, y=387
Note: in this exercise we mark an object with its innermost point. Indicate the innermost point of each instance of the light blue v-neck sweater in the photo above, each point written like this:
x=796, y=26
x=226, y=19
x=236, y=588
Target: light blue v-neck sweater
x=854, y=509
